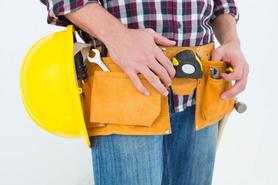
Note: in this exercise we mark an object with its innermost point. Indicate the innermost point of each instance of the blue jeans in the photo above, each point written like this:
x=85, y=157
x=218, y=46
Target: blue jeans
x=185, y=157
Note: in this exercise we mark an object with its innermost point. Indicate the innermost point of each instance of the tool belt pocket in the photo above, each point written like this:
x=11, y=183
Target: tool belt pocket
x=115, y=100
x=210, y=108
x=213, y=106
x=183, y=86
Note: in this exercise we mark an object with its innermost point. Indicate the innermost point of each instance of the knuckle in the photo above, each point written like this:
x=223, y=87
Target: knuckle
x=172, y=73
x=150, y=58
x=153, y=78
x=146, y=56
x=140, y=67
x=238, y=75
x=128, y=72
x=150, y=30
x=232, y=92
x=243, y=87
x=169, y=64
x=237, y=91
x=217, y=51
x=162, y=72
x=167, y=80
x=159, y=55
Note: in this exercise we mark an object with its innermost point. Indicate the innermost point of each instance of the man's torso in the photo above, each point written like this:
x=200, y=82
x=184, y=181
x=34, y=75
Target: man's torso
x=185, y=21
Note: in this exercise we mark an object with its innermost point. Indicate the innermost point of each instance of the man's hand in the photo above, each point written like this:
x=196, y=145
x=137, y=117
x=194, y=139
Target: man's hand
x=232, y=54
x=137, y=51
x=224, y=27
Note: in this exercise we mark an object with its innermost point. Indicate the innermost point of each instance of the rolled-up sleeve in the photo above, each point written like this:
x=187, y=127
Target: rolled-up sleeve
x=58, y=8
x=225, y=7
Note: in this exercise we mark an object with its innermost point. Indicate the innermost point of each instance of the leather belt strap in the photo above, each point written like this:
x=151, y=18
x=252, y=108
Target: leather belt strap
x=179, y=85
x=203, y=51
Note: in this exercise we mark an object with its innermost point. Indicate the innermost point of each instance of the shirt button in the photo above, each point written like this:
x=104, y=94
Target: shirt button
x=179, y=25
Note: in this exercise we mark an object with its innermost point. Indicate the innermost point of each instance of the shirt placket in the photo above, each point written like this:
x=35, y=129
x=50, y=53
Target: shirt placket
x=177, y=21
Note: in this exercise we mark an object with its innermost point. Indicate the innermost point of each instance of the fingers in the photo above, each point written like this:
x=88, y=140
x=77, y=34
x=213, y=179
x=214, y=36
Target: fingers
x=165, y=62
x=154, y=81
x=217, y=55
x=239, y=86
x=137, y=82
x=238, y=69
x=160, y=71
x=160, y=40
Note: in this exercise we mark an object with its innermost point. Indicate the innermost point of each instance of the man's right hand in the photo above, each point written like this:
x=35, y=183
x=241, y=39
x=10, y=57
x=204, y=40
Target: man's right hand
x=137, y=51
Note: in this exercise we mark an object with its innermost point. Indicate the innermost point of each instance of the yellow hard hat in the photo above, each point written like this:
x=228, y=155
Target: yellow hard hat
x=49, y=86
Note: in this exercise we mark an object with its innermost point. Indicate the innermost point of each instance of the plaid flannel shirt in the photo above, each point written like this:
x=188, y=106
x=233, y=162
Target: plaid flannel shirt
x=188, y=22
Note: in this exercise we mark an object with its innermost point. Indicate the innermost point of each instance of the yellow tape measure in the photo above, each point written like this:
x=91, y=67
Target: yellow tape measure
x=187, y=65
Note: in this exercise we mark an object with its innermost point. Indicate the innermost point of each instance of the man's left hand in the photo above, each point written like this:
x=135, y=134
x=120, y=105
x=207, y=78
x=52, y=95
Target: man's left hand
x=232, y=54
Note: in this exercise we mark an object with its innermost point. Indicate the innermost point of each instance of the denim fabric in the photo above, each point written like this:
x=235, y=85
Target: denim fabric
x=185, y=157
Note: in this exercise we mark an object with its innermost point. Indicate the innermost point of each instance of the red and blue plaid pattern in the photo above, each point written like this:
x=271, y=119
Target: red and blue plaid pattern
x=188, y=22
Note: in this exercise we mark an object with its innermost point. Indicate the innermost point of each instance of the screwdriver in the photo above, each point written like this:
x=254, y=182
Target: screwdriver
x=239, y=106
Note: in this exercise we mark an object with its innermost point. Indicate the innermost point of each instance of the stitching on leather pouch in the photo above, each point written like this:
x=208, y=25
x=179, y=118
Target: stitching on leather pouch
x=117, y=75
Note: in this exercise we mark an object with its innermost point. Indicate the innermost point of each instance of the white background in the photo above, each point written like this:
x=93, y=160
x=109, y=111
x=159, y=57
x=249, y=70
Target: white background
x=248, y=152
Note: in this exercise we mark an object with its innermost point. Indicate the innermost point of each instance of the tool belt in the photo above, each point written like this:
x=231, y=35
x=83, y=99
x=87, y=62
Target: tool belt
x=114, y=106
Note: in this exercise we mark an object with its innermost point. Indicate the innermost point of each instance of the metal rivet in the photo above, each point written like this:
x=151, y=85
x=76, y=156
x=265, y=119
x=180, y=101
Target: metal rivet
x=167, y=131
x=207, y=55
x=80, y=90
x=198, y=49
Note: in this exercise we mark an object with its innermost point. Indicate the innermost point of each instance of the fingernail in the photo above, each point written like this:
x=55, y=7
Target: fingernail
x=224, y=97
x=147, y=93
x=166, y=93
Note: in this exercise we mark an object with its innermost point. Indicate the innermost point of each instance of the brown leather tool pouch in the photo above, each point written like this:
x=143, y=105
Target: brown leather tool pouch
x=210, y=108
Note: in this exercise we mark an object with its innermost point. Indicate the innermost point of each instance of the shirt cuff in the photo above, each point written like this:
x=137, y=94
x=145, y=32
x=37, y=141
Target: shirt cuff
x=225, y=7
x=57, y=8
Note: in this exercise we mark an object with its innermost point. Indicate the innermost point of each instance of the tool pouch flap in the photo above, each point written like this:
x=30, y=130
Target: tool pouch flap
x=183, y=86
x=210, y=108
x=115, y=100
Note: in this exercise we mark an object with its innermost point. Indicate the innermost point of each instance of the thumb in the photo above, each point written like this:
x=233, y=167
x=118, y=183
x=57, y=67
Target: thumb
x=217, y=54
x=163, y=41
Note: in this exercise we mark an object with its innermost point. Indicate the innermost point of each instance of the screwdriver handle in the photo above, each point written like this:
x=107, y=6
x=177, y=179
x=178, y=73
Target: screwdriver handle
x=240, y=107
